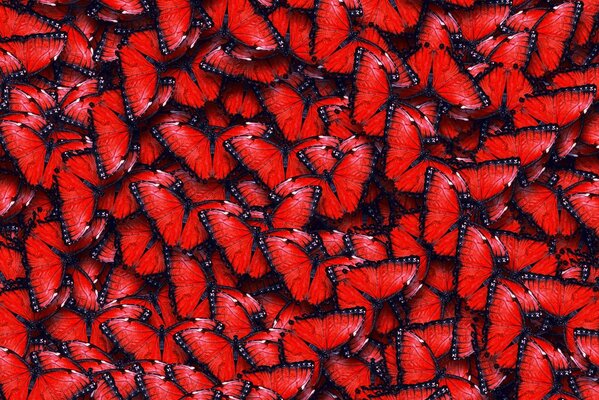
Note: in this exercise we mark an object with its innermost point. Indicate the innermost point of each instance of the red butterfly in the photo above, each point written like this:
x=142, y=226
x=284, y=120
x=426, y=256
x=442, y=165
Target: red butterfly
x=15, y=333
x=295, y=211
x=194, y=86
x=223, y=358
x=22, y=22
x=139, y=247
x=303, y=273
x=37, y=153
x=528, y=255
x=174, y=22
x=146, y=341
x=486, y=180
x=373, y=95
x=438, y=71
x=174, y=216
x=240, y=20
x=189, y=282
x=479, y=21
x=583, y=319
x=536, y=370
x=79, y=186
x=20, y=380
x=391, y=16
x=117, y=198
x=442, y=213
x=35, y=51
x=127, y=8
x=353, y=289
x=85, y=325
x=587, y=387
x=506, y=319
x=286, y=381
x=250, y=193
x=551, y=294
x=413, y=392
x=528, y=145
x=246, y=63
x=544, y=203
x=554, y=30
x=490, y=199
x=187, y=377
x=507, y=57
x=370, y=248
x=47, y=257
x=240, y=99
x=342, y=173
x=556, y=107
x=587, y=341
x=406, y=159
x=295, y=27
x=221, y=349
x=583, y=202
x=578, y=77
x=409, y=360
x=212, y=161
x=154, y=386
x=141, y=71
x=75, y=104
x=14, y=195
x=438, y=334
x=237, y=241
x=329, y=331
x=113, y=139
x=479, y=254
x=296, y=113
x=270, y=162
x=336, y=41
x=78, y=51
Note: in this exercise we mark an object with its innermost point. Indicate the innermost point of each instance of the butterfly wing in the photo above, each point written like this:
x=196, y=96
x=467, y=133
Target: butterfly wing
x=112, y=139
x=295, y=211
x=236, y=241
x=174, y=21
x=140, y=80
